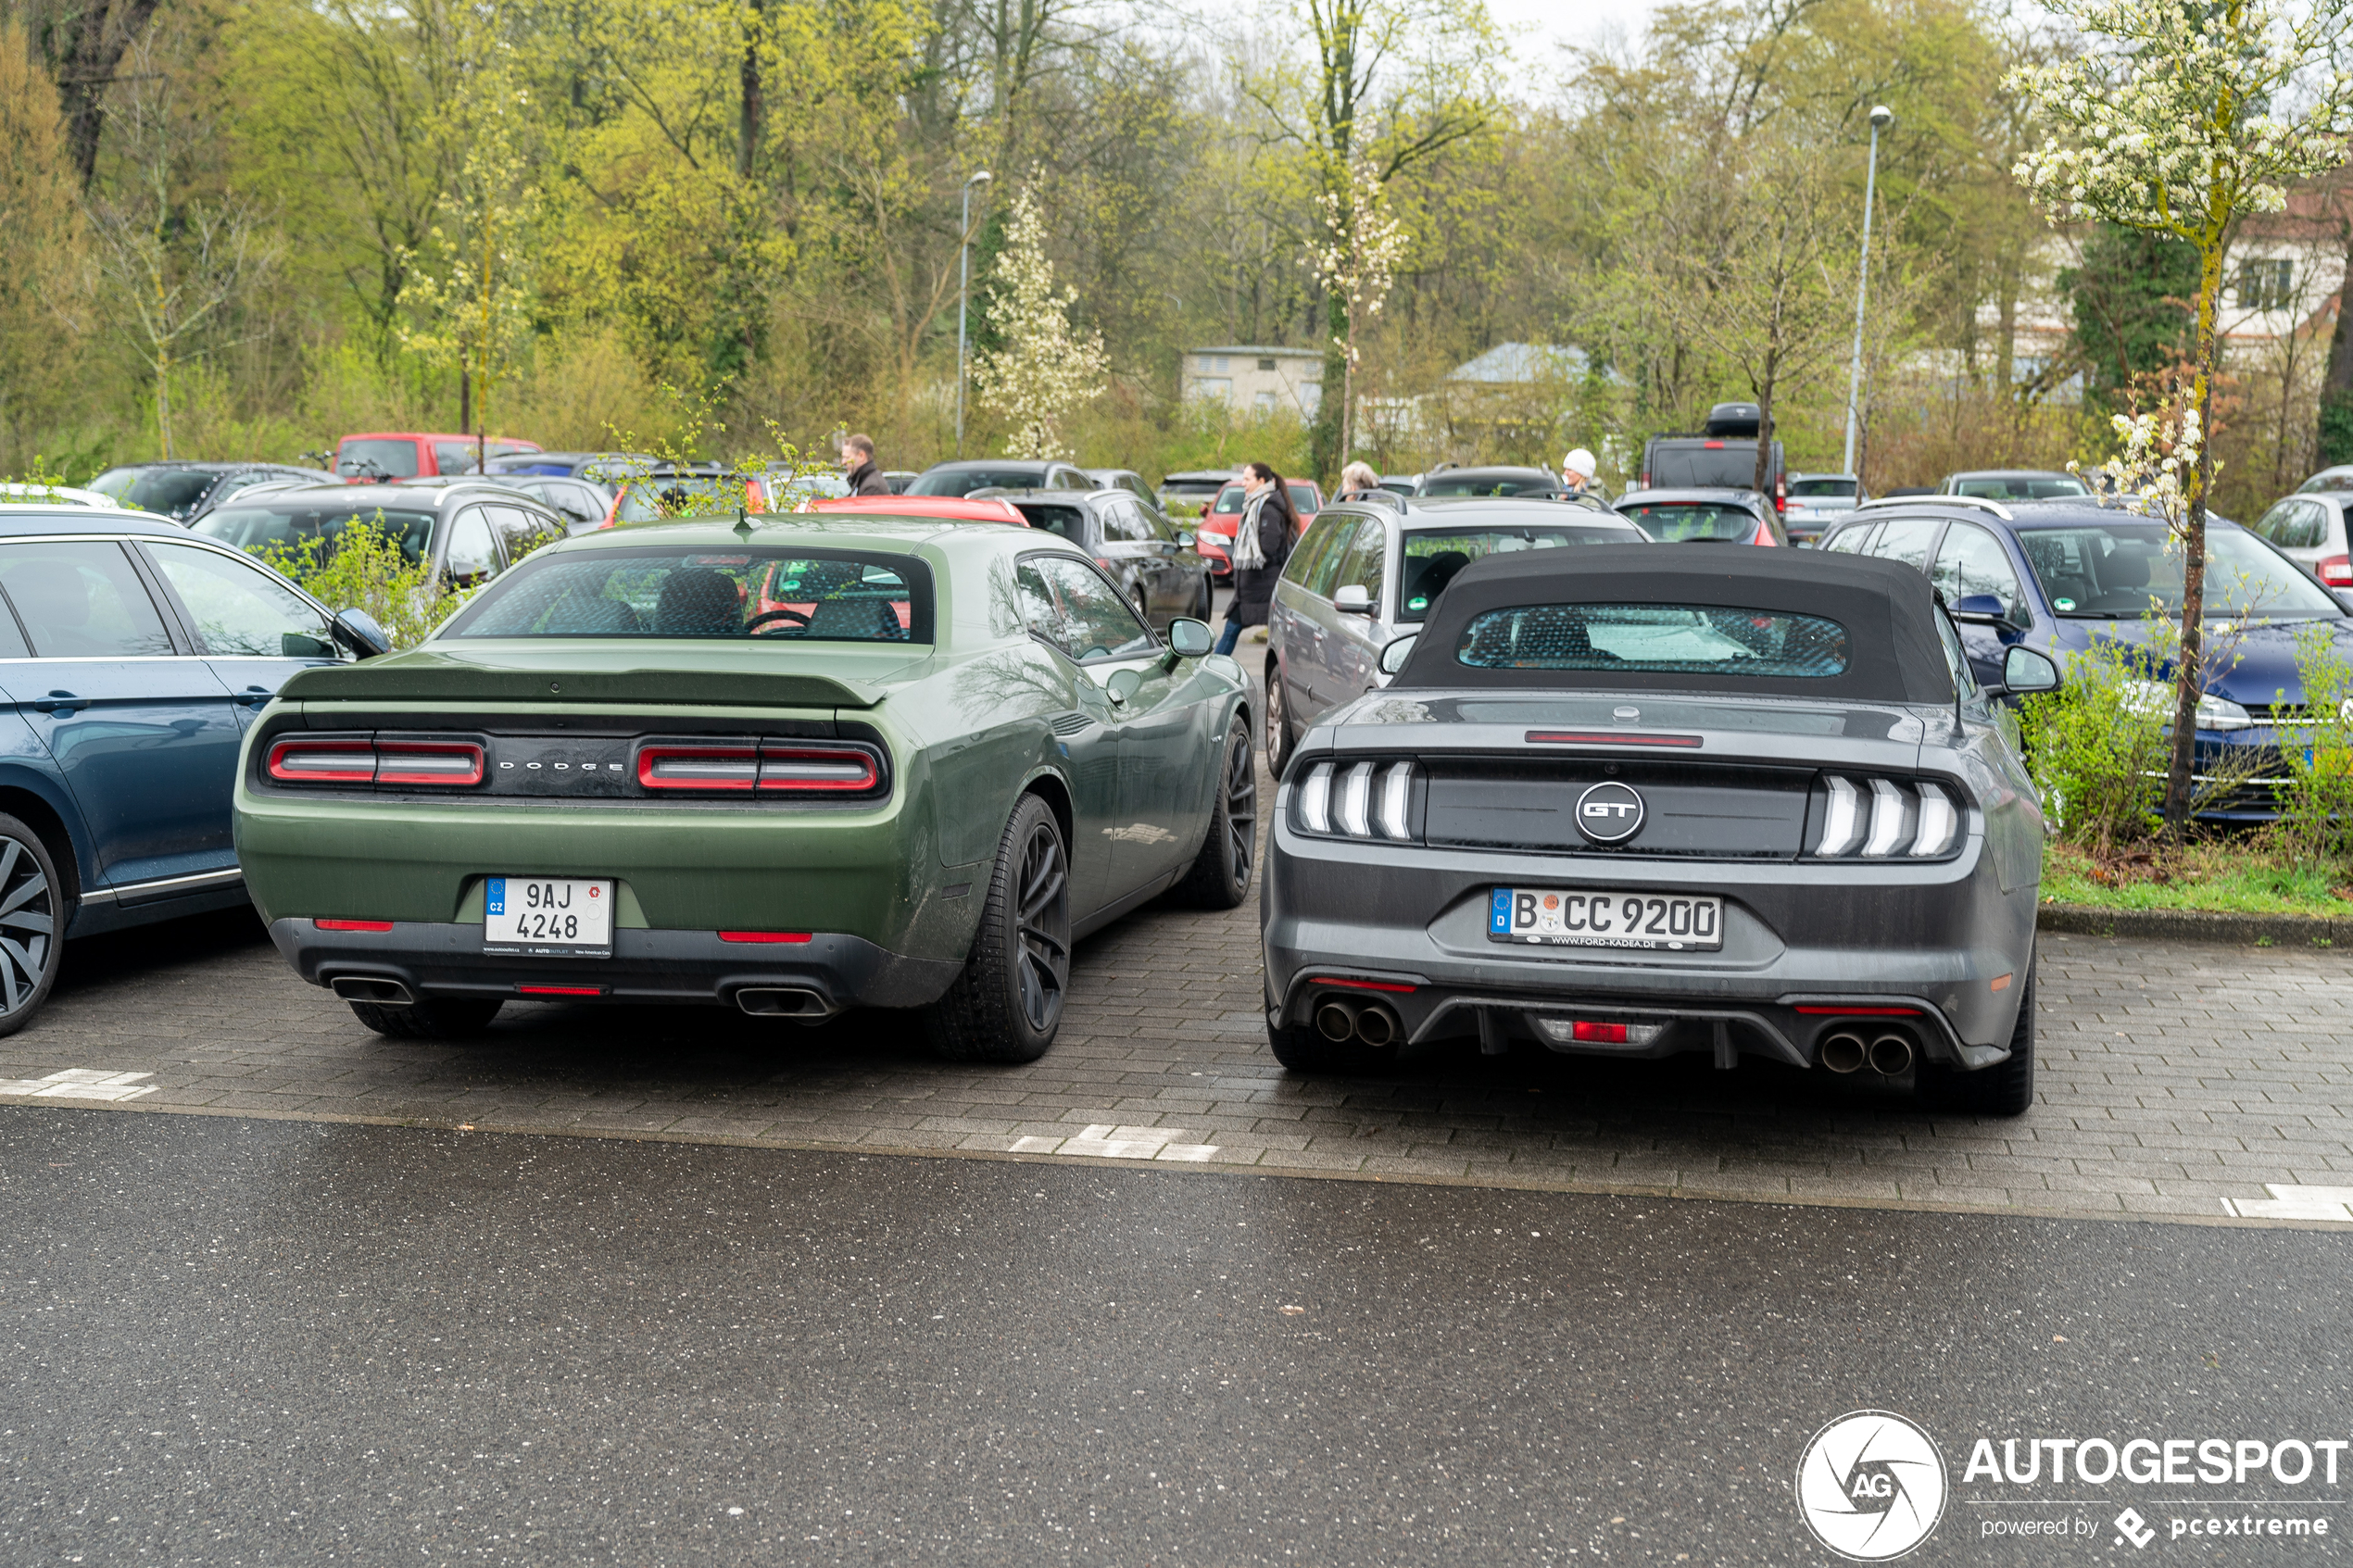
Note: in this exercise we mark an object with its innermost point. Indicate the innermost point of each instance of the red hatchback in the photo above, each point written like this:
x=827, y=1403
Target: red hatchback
x=1215, y=535
x=385, y=456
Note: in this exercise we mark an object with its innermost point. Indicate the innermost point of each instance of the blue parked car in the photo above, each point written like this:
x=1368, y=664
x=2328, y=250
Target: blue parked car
x=2059, y=576
x=133, y=657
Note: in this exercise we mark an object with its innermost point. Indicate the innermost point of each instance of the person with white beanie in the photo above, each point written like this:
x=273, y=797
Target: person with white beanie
x=1577, y=471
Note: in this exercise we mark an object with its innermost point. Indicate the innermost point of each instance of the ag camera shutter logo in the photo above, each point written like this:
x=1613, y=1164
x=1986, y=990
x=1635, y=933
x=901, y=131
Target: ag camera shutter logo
x=1609, y=813
x=1871, y=1485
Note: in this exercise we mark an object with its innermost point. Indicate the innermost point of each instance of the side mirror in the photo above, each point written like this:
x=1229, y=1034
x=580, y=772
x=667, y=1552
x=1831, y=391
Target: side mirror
x=1122, y=686
x=1985, y=610
x=1393, y=656
x=2025, y=669
x=1353, y=599
x=361, y=632
x=1190, y=638
x=1185, y=539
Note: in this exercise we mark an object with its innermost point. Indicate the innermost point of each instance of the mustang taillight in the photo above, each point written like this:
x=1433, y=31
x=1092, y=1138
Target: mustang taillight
x=1881, y=820
x=453, y=765
x=1371, y=799
x=788, y=767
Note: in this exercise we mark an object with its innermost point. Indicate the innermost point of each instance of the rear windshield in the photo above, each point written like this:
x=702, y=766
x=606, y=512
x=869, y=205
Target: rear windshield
x=963, y=482
x=1688, y=522
x=1069, y=522
x=267, y=530
x=1820, y=489
x=650, y=500
x=1725, y=465
x=1433, y=555
x=840, y=596
x=1656, y=639
x=2022, y=487
x=377, y=459
x=173, y=492
x=1491, y=485
x=2124, y=570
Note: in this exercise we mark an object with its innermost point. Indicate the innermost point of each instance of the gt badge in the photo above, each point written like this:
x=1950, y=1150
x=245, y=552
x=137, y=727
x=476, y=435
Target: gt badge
x=1609, y=813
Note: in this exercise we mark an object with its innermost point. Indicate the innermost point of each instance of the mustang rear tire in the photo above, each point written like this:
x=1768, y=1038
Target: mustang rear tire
x=447, y=1020
x=1007, y=1003
x=1220, y=876
x=33, y=924
x=2005, y=1089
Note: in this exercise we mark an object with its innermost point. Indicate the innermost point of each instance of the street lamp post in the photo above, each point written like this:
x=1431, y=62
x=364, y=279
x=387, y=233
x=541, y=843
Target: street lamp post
x=1882, y=118
x=963, y=293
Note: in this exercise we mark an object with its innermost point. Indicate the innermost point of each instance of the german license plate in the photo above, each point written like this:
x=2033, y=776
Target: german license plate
x=558, y=917
x=1581, y=917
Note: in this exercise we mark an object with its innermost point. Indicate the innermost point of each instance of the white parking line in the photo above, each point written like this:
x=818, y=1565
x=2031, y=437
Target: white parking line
x=2293, y=1203
x=1121, y=1143
x=81, y=1083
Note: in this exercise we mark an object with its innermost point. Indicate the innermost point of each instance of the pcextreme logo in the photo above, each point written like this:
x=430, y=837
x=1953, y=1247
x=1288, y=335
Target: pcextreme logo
x=1871, y=1485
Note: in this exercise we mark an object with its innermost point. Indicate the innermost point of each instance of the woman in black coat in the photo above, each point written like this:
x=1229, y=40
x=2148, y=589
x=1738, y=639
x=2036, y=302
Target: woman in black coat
x=1262, y=545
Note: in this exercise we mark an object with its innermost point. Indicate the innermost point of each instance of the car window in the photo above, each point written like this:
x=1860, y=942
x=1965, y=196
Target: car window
x=1071, y=479
x=1684, y=522
x=841, y=596
x=1128, y=522
x=1303, y=499
x=1064, y=520
x=237, y=609
x=1300, y=567
x=168, y=492
x=471, y=555
x=1082, y=613
x=1851, y=540
x=521, y=531
x=1434, y=555
x=1907, y=539
x=383, y=459
x=2124, y=569
x=1326, y=569
x=2296, y=525
x=1367, y=554
x=454, y=457
x=1955, y=658
x=1972, y=561
x=294, y=530
x=81, y=600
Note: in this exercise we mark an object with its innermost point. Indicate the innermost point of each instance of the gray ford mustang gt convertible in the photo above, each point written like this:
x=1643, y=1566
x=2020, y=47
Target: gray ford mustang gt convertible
x=1626, y=802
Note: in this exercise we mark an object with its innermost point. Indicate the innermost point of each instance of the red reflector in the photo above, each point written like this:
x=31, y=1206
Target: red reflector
x=562, y=990
x=1599, y=1034
x=1364, y=985
x=764, y=936
x=353, y=924
x=1863, y=1012
x=1713, y=446
x=1608, y=737
x=408, y=762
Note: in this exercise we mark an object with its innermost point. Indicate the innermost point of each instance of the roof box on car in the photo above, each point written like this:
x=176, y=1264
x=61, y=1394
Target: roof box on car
x=1735, y=418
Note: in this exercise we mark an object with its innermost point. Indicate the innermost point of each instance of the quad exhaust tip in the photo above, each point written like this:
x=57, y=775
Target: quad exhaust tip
x=371, y=989
x=1339, y=1019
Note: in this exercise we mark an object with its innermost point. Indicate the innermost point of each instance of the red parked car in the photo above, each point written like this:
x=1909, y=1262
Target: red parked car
x=388, y=455
x=1215, y=535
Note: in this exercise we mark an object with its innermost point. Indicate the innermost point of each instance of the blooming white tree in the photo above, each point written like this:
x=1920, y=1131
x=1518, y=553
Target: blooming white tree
x=1046, y=369
x=2179, y=117
x=1357, y=261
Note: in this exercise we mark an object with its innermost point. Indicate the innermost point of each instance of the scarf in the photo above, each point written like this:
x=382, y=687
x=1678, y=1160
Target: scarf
x=1247, y=554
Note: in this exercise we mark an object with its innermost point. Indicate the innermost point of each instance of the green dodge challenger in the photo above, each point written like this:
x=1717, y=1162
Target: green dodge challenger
x=791, y=765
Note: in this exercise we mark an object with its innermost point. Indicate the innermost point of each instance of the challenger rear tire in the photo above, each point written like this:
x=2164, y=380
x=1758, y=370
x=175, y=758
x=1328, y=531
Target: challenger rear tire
x=1220, y=876
x=445, y=1020
x=1007, y=1003
x=2006, y=1088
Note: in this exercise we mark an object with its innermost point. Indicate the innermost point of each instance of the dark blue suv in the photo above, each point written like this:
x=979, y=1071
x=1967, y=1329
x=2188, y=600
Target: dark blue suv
x=133, y=657
x=2059, y=576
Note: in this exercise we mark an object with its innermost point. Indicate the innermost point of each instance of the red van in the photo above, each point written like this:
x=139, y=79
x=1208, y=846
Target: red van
x=388, y=455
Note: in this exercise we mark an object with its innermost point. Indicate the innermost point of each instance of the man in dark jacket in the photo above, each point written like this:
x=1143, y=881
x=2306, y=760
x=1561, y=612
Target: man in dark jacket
x=858, y=457
x=1262, y=545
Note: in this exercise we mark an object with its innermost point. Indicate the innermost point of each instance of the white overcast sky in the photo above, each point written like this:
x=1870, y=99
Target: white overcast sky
x=1544, y=25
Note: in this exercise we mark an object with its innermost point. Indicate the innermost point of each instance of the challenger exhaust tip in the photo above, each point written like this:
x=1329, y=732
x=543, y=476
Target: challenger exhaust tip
x=1336, y=1018
x=784, y=1001
x=1376, y=1025
x=371, y=989
x=1891, y=1055
x=1845, y=1052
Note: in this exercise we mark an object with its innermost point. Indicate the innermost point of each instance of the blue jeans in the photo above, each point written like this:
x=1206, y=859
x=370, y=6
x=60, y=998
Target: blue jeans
x=1229, y=636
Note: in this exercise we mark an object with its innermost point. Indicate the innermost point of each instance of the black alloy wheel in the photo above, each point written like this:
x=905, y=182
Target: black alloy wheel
x=1220, y=876
x=1280, y=744
x=1007, y=1003
x=33, y=921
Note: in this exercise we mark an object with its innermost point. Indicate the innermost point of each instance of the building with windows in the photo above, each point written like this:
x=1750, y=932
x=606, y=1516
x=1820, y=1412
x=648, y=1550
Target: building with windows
x=1255, y=380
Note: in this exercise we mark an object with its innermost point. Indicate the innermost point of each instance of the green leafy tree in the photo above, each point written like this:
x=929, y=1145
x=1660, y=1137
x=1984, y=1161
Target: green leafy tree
x=2130, y=300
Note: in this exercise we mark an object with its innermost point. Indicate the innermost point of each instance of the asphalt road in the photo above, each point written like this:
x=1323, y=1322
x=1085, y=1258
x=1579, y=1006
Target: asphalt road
x=245, y=1342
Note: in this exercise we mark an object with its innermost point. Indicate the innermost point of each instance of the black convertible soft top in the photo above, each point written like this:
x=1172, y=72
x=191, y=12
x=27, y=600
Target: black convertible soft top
x=1887, y=607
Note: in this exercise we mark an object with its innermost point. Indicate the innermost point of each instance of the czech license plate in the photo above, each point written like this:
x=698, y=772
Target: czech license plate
x=562, y=917
x=1579, y=917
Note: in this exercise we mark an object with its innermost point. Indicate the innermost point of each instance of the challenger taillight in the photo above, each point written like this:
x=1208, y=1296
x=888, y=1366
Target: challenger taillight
x=1884, y=819
x=1370, y=799
x=443, y=764
x=762, y=767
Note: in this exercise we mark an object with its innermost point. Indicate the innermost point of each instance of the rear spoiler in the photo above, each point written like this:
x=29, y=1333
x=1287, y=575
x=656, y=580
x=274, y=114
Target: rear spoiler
x=426, y=679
